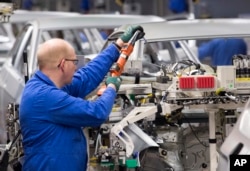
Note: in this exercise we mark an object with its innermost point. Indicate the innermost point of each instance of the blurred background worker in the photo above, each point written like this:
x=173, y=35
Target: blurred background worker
x=53, y=109
x=221, y=51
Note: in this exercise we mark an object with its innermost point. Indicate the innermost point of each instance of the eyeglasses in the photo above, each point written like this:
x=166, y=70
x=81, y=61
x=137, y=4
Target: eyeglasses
x=75, y=61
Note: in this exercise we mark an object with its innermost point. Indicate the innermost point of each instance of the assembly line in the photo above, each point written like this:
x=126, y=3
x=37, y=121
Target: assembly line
x=162, y=108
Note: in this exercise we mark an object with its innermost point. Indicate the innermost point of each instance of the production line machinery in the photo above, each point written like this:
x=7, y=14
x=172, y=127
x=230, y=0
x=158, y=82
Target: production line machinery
x=151, y=125
x=158, y=125
x=146, y=129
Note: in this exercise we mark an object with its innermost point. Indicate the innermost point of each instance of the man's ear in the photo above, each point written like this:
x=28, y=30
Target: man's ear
x=61, y=66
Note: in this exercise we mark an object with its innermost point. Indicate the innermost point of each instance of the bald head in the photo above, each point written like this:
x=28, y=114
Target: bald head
x=51, y=52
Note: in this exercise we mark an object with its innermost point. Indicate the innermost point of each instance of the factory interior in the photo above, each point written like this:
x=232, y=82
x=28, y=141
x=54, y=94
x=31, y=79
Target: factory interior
x=124, y=85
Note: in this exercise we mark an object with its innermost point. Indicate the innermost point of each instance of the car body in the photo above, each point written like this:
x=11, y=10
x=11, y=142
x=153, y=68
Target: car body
x=14, y=72
x=163, y=37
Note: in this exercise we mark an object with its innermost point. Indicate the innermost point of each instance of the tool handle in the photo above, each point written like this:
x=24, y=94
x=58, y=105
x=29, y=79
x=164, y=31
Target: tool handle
x=126, y=51
x=118, y=67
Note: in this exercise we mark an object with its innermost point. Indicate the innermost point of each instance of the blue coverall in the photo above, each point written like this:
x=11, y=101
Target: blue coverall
x=221, y=51
x=52, y=119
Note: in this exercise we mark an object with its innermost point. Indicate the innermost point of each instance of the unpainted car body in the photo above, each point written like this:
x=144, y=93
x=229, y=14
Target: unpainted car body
x=172, y=41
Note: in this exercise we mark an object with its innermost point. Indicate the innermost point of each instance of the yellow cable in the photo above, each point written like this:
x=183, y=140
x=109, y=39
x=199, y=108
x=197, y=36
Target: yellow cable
x=217, y=92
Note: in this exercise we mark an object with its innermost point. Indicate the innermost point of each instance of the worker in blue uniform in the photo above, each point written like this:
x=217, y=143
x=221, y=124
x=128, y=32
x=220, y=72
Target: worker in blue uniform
x=221, y=51
x=53, y=110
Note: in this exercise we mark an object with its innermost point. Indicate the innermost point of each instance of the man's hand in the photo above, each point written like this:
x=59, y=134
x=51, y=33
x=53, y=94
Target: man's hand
x=116, y=81
x=130, y=31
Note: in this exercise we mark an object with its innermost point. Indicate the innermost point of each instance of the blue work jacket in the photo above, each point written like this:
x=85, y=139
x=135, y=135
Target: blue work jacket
x=221, y=51
x=52, y=119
